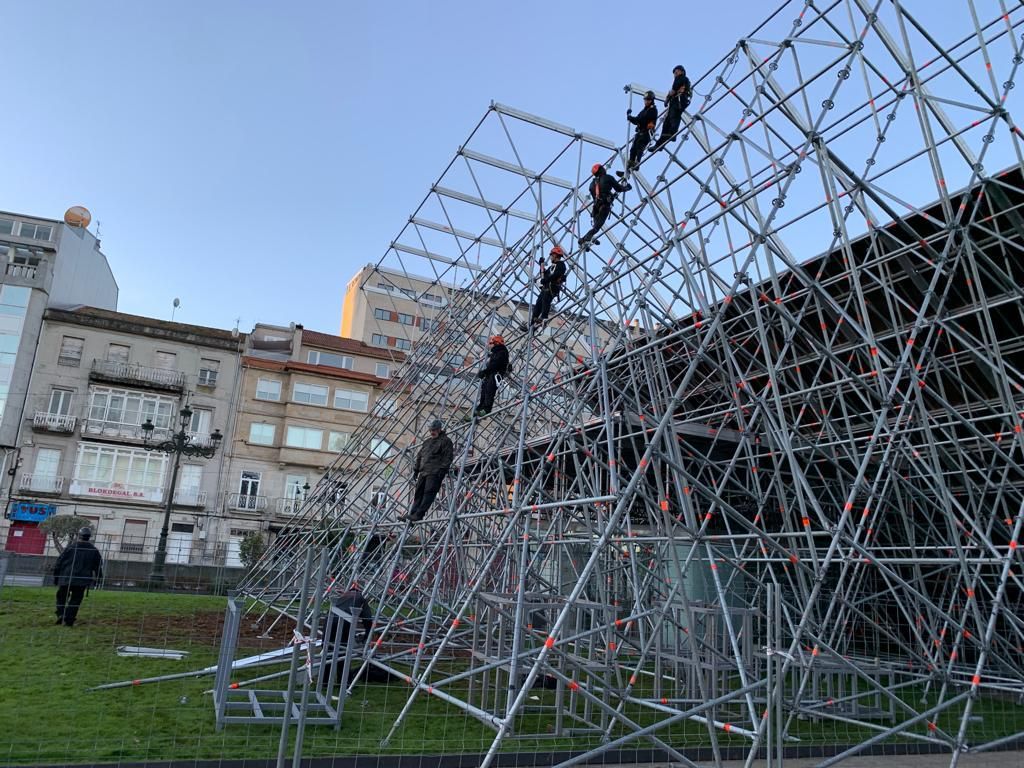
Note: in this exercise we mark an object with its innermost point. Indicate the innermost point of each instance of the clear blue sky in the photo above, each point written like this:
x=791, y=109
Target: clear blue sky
x=249, y=157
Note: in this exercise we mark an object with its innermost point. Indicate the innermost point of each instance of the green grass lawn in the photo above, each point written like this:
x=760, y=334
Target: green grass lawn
x=48, y=715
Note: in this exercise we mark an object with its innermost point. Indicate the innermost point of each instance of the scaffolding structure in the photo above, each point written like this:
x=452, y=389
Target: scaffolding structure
x=764, y=466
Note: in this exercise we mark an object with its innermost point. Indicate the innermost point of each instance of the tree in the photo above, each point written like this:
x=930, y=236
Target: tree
x=252, y=548
x=63, y=529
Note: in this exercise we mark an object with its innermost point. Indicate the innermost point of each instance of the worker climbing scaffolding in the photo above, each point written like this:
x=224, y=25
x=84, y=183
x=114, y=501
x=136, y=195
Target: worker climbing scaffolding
x=677, y=100
x=552, y=279
x=497, y=365
x=432, y=465
x=644, y=123
x=602, y=191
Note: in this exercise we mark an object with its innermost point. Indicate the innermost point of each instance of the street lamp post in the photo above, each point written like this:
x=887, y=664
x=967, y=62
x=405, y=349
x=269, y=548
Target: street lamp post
x=180, y=444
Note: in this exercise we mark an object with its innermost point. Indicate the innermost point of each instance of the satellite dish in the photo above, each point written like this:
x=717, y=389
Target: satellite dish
x=177, y=303
x=77, y=216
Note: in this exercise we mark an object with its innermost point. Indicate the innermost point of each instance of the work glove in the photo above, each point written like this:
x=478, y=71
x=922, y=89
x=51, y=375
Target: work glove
x=627, y=187
x=481, y=374
x=629, y=112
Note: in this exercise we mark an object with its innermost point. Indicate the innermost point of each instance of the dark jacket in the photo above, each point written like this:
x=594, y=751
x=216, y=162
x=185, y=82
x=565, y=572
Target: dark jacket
x=353, y=603
x=435, y=456
x=497, y=361
x=80, y=565
x=553, y=278
x=681, y=90
x=604, y=187
x=644, y=121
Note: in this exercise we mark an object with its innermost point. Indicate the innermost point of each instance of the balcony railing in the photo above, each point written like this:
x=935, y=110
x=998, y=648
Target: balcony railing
x=190, y=497
x=132, y=373
x=24, y=271
x=288, y=506
x=96, y=428
x=247, y=502
x=42, y=483
x=53, y=422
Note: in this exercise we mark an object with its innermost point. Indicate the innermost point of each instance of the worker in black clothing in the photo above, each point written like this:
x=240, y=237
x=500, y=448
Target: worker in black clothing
x=336, y=628
x=432, y=465
x=79, y=567
x=644, y=123
x=677, y=100
x=497, y=365
x=602, y=191
x=552, y=279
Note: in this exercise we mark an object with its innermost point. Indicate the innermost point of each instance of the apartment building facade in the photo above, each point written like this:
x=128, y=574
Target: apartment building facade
x=99, y=375
x=45, y=263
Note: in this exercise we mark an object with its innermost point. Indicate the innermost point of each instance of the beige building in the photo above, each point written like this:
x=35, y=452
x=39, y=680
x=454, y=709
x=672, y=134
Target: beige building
x=302, y=396
x=98, y=377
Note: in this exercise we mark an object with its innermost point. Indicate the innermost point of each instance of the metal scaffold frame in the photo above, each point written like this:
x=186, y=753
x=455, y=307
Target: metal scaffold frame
x=764, y=466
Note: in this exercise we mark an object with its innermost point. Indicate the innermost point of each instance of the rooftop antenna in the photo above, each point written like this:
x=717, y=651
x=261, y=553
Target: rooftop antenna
x=176, y=303
x=234, y=331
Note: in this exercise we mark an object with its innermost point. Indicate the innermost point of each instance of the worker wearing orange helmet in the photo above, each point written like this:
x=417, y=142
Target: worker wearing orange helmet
x=552, y=278
x=602, y=191
x=497, y=365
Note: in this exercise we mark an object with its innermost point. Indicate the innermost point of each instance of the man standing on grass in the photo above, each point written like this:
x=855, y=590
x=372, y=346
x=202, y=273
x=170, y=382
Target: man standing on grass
x=79, y=567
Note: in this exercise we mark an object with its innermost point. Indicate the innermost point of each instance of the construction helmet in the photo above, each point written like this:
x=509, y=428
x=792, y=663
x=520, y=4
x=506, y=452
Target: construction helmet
x=649, y=96
x=596, y=169
x=557, y=251
x=497, y=339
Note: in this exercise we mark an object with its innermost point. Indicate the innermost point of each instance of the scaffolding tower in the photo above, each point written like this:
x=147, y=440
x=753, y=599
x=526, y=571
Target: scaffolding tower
x=764, y=465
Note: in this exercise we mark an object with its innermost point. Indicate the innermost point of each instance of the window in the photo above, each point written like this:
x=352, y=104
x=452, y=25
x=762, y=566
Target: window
x=313, y=394
x=60, y=402
x=118, y=353
x=428, y=325
x=405, y=319
x=380, y=448
x=208, y=370
x=403, y=344
x=351, y=400
x=304, y=437
x=190, y=478
x=200, y=422
x=261, y=434
x=6, y=227
x=116, y=407
x=166, y=361
x=293, y=486
x=109, y=467
x=378, y=339
x=70, y=351
x=47, y=465
x=249, y=483
x=133, y=539
x=329, y=358
x=381, y=314
x=36, y=231
x=268, y=389
x=386, y=406
x=338, y=441
x=429, y=298
x=26, y=257
x=382, y=371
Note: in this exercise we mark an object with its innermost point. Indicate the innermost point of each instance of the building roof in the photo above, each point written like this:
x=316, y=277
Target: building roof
x=147, y=326
x=352, y=346
x=320, y=370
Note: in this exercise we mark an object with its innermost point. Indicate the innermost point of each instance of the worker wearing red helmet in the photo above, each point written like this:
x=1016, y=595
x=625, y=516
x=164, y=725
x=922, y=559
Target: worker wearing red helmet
x=602, y=191
x=552, y=278
x=497, y=365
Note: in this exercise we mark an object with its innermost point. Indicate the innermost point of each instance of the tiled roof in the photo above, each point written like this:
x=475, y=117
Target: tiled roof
x=318, y=370
x=352, y=346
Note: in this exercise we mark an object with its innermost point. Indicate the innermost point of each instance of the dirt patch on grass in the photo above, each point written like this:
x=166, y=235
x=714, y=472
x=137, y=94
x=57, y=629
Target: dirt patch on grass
x=201, y=628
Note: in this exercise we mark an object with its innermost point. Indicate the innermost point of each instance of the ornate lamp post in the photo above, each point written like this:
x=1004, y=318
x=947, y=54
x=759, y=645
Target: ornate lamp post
x=179, y=444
